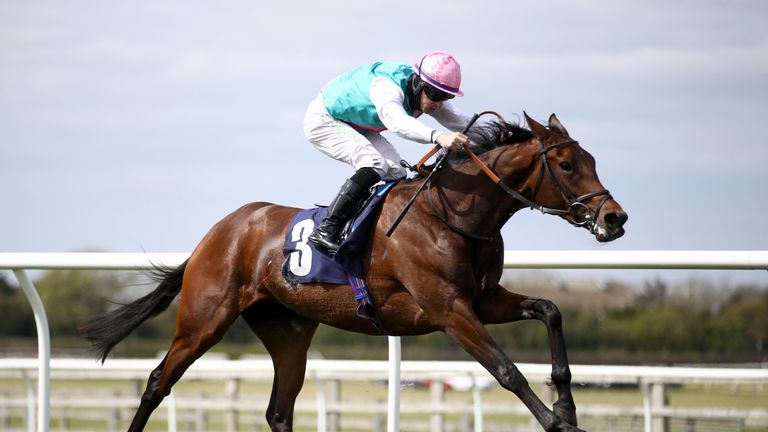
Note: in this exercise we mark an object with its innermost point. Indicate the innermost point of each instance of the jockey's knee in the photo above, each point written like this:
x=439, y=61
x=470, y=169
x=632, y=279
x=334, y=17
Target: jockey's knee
x=387, y=170
x=395, y=173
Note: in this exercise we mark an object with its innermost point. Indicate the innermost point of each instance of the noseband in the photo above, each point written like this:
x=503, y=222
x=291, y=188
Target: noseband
x=582, y=215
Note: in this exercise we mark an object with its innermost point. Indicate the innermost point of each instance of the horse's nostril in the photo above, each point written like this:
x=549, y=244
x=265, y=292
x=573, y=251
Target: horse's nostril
x=615, y=220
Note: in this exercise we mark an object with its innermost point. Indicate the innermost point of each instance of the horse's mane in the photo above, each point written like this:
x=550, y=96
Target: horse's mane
x=488, y=136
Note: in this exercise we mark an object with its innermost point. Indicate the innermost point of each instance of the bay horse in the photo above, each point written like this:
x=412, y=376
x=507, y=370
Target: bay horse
x=439, y=271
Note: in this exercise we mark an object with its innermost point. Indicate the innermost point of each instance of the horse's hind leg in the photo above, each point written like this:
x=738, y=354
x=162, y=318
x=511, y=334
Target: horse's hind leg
x=504, y=306
x=205, y=313
x=287, y=337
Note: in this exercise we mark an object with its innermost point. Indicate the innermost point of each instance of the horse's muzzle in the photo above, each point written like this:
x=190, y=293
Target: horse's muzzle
x=610, y=225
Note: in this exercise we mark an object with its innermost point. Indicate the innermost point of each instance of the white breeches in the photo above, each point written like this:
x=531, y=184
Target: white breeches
x=343, y=143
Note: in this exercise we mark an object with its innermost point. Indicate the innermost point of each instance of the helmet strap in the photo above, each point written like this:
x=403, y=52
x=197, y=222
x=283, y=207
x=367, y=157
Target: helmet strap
x=413, y=95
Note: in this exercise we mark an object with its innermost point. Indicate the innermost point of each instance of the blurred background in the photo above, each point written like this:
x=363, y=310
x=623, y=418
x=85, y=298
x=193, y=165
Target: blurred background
x=135, y=126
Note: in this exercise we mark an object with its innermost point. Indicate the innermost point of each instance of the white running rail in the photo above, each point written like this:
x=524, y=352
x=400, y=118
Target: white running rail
x=674, y=259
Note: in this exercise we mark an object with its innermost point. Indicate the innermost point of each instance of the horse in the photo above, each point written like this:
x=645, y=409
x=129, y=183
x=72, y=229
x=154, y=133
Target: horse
x=439, y=271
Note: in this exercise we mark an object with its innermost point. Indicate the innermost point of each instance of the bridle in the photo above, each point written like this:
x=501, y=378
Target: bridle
x=581, y=214
x=574, y=204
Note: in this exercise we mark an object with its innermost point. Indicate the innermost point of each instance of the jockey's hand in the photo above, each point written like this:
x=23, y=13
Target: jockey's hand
x=452, y=140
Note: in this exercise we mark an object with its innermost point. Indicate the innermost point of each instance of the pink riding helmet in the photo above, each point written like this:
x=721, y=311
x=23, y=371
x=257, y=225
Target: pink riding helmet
x=441, y=71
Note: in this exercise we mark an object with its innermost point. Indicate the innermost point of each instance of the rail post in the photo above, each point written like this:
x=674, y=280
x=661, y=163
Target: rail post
x=232, y=392
x=393, y=396
x=334, y=414
x=43, y=354
x=437, y=396
x=477, y=404
x=659, y=400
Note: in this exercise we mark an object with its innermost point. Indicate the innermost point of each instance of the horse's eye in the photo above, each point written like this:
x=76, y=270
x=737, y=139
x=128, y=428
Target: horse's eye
x=566, y=166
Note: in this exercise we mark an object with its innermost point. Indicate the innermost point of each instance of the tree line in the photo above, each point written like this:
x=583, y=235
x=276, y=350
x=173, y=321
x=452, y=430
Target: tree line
x=657, y=325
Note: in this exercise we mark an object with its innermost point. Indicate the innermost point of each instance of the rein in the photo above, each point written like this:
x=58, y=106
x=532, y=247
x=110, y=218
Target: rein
x=574, y=205
x=429, y=177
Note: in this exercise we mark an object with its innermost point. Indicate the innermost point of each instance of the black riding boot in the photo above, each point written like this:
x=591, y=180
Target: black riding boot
x=326, y=235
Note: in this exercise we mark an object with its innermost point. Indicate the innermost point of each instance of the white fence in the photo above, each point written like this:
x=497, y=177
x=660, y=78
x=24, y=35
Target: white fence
x=19, y=262
x=236, y=407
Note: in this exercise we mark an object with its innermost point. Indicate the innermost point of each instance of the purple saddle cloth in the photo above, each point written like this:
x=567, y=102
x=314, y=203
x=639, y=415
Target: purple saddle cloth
x=306, y=264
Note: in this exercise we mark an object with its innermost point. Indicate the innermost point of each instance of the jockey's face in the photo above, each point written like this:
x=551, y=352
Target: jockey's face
x=428, y=106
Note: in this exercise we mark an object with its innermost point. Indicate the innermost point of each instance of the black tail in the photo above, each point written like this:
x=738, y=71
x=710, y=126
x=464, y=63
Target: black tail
x=106, y=330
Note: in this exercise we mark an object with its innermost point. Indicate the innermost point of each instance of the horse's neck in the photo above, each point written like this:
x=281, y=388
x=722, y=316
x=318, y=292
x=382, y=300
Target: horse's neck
x=469, y=199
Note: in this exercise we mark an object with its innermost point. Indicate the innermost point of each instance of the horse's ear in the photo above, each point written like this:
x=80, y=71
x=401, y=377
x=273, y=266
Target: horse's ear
x=538, y=129
x=554, y=123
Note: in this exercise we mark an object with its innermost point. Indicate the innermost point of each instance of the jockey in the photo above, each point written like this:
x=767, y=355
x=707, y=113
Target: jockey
x=344, y=121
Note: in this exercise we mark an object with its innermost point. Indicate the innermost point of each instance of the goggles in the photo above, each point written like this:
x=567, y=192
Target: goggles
x=436, y=95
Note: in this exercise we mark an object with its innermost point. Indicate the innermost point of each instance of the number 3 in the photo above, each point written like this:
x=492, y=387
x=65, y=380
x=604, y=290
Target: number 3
x=300, y=261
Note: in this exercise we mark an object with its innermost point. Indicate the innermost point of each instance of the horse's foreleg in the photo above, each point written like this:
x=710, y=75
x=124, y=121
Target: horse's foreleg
x=462, y=324
x=504, y=306
x=287, y=337
x=199, y=326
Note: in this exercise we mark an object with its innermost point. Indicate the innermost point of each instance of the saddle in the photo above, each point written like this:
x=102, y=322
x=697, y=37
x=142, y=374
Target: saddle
x=306, y=264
